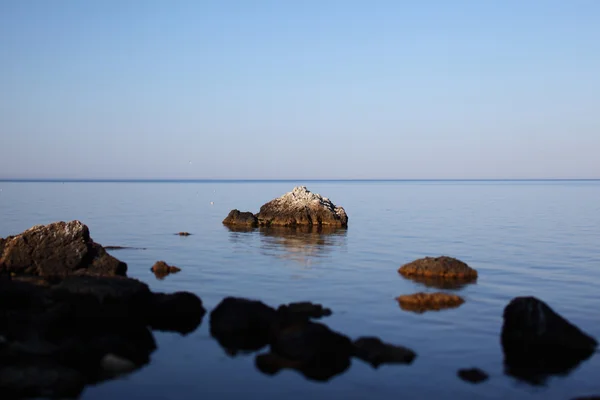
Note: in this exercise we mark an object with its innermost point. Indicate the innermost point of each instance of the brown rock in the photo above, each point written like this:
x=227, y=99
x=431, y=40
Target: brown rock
x=57, y=249
x=161, y=269
x=446, y=267
x=376, y=352
x=183, y=234
x=301, y=207
x=473, y=375
x=238, y=218
x=421, y=302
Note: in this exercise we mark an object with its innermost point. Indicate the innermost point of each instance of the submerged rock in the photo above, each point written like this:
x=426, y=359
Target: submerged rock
x=302, y=207
x=538, y=342
x=445, y=267
x=238, y=218
x=421, y=302
x=161, y=269
x=375, y=352
x=57, y=249
x=472, y=375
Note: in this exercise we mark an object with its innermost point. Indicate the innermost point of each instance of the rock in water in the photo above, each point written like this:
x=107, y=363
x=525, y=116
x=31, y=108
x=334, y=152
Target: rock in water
x=238, y=218
x=538, y=342
x=421, y=302
x=57, y=249
x=376, y=352
x=472, y=375
x=301, y=207
x=161, y=269
x=445, y=267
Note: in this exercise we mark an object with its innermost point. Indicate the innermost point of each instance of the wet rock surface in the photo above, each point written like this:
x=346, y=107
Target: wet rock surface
x=300, y=207
x=537, y=342
x=472, y=375
x=59, y=337
x=57, y=249
x=375, y=352
x=421, y=302
x=444, y=267
x=238, y=218
x=161, y=269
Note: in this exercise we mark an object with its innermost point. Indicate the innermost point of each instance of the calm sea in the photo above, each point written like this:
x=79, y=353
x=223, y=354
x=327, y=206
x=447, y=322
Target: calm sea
x=538, y=238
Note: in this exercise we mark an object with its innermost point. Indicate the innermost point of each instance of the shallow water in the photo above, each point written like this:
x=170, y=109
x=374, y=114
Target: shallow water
x=537, y=238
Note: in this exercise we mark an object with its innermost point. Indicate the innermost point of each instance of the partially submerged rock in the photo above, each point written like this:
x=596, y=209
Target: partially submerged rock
x=303, y=310
x=238, y=218
x=123, y=248
x=472, y=375
x=444, y=267
x=55, y=339
x=375, y=352
x=57, y=249
x=538, y=342
x=161, y=269
x=183, y=233
x=421, y=302
x=300, y=207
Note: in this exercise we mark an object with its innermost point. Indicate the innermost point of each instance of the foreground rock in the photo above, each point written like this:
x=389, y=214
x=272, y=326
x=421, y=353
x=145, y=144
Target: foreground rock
x=300, y=207
x=472, y=375
x=161, y=269
x=55, y=339
x=537, y=342
x=238, y=218
x=421, y=302
x=444, y=267
x=57, y=249
x=373, y=351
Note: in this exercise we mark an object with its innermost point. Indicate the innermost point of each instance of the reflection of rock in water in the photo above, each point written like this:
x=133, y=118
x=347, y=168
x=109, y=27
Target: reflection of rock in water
x=437, y=282
x=421, y=302
x=537, y=342
x=301, y=244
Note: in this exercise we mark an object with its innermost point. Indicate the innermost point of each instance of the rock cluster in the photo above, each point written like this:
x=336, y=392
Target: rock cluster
x=300, y=207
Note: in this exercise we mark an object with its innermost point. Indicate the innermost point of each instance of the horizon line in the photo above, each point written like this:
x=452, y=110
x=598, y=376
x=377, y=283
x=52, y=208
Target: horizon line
x=149, y=180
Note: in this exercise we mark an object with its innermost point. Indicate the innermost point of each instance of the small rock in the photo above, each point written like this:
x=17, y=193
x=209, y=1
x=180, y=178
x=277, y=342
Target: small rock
x=473, y=375
x=373, y=351
x=236, y=217
x=183, y=234
x=446, y=267
x=421, y=302
x=161, y=269
x=538, y=342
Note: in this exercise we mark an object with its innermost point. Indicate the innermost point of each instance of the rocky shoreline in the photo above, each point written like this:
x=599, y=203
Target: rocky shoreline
x=70, y=317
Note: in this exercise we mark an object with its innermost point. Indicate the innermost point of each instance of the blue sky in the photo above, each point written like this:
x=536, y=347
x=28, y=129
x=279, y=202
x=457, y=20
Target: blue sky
x=312, y=89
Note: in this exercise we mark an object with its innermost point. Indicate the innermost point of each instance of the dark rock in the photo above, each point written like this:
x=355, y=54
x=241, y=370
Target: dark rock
x=183, y=234
x=242, y=324
x=236, y=217
x=592, y=397
x=445, y=267
x=310, y=348
x=56, y=338
x=57, y=249
x=181, y=312
x=302, y=310
x=537, y=342
x=161, y=269
x=373, y=351
x=421, y=302
x=473, y=375
x=301, y=207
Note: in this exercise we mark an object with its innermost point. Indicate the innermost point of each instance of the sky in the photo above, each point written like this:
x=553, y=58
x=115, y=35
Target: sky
x=311, y=89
